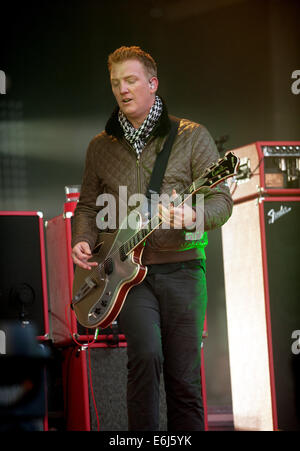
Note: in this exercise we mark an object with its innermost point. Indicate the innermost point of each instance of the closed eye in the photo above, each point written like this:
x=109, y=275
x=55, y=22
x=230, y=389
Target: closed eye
x=131, y=80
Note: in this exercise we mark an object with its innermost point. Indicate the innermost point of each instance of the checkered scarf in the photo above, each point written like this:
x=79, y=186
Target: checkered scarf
x=138, y=137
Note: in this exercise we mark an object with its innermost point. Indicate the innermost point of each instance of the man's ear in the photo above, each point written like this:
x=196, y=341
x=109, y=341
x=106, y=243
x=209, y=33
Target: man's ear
x=153, y=83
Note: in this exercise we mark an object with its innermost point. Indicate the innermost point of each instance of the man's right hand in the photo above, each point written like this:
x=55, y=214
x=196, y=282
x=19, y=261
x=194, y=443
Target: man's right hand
x=81, y=253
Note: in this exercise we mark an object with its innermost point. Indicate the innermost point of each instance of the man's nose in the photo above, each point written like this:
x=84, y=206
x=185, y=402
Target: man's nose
x=123, y=87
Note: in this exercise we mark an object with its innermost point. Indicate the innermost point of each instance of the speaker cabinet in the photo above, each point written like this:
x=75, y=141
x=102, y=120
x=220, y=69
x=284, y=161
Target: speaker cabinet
x=23, y=286
x=105, y=367
x=95, y=381
x=60, y=278
x=261, y=253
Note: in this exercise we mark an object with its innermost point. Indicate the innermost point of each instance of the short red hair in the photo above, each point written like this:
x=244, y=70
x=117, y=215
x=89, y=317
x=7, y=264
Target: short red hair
x=133, y=53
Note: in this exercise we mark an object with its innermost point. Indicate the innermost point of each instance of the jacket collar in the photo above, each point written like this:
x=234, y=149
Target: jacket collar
x=162, y=128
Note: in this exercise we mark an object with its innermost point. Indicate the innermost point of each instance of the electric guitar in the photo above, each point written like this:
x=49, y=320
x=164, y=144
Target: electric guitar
x=99, y=293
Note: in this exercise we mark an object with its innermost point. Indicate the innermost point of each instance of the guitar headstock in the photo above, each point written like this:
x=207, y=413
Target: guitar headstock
x=224, y=168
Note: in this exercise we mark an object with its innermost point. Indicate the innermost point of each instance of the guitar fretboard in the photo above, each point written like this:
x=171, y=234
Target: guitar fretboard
x=149, y=227
x=139, y=237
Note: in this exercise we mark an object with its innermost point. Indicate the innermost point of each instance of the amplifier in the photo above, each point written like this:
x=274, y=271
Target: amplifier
x=60, y=278
x=95, y=381
x=23, y=285
x=268, y=168
x=261, y=253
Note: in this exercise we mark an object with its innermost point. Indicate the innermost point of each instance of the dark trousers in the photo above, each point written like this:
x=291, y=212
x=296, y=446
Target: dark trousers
x=162, y=319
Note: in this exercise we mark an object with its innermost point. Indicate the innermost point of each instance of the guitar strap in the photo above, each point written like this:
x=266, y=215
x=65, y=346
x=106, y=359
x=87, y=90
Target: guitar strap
x=161, y=161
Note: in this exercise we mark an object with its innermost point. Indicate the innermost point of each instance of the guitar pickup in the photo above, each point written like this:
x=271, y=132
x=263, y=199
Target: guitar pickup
x=108, y=266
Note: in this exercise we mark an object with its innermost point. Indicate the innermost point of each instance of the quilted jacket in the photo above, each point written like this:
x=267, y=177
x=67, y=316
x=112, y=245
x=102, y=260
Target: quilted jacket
x=111, y=162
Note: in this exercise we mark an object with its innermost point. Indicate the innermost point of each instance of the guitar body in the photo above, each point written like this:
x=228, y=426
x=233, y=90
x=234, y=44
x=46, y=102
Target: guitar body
x=108, y=284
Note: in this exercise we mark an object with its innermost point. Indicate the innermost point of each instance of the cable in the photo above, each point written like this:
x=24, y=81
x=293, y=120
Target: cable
x=88, y=346
x=89, y=343
x=250, y=174
x=234, y=190
x=259, y=163
x=92, y=389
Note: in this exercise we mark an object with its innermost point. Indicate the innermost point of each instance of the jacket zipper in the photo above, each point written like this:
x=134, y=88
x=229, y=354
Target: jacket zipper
x=138, y=173
x=138, y=166
x=138, y=158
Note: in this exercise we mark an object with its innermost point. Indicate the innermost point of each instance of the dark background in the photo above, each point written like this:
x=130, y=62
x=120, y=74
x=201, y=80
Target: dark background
x=224, y=63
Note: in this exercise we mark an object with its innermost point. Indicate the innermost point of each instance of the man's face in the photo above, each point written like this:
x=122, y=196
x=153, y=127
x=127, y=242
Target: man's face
x=132, y=89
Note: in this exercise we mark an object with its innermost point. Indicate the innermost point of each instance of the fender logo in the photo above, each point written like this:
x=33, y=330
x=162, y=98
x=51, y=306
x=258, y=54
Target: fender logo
x=274, y=215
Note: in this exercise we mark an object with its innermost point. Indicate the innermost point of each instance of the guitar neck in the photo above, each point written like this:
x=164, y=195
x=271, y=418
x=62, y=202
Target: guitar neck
x=155, y=222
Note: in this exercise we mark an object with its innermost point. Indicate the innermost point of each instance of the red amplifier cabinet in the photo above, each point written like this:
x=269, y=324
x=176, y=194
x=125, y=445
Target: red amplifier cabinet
x=60, y=278
x=23, y=294
x=267, y=168
x=95, y=380
x=261, y=253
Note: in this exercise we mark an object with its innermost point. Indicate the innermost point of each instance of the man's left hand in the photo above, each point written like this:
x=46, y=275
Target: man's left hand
x=177, y=217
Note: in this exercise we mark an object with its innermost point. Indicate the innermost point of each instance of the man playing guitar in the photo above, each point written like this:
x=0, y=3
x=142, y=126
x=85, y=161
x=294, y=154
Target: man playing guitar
x=163, y=316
